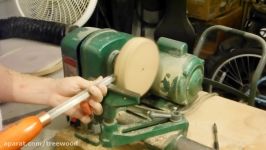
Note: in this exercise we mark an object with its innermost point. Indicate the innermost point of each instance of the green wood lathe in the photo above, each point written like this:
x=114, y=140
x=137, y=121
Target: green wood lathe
x=153, y=81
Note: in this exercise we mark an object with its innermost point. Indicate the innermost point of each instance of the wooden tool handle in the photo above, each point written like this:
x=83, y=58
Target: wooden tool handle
x=20, y=133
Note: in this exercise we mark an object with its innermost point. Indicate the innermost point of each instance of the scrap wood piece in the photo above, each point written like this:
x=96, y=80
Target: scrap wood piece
x=30, y=57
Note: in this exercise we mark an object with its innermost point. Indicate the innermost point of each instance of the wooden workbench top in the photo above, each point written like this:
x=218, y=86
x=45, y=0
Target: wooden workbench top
x=240, y=127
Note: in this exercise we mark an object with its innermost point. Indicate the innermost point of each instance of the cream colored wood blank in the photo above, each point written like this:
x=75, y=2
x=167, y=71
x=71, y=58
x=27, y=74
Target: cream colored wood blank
x=137, y=64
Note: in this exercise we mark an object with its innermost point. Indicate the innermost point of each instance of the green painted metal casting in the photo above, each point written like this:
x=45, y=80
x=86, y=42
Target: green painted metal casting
x=180, y=74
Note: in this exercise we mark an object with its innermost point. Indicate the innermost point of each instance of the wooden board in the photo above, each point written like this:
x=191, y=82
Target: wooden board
x=240, y=126
x=30, y=57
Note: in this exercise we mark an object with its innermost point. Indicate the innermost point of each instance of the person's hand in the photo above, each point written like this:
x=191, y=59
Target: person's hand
x=65, y=88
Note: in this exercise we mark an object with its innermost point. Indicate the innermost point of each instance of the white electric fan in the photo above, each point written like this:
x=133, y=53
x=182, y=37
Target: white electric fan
x=69, y=12
x=74, y=12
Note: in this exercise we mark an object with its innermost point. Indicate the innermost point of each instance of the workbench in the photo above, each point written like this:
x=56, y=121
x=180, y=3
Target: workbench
x=239, y=126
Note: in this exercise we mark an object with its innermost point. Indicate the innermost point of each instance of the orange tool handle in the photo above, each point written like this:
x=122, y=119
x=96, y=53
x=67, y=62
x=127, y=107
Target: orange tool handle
x=86, y=108
x=20, y=133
